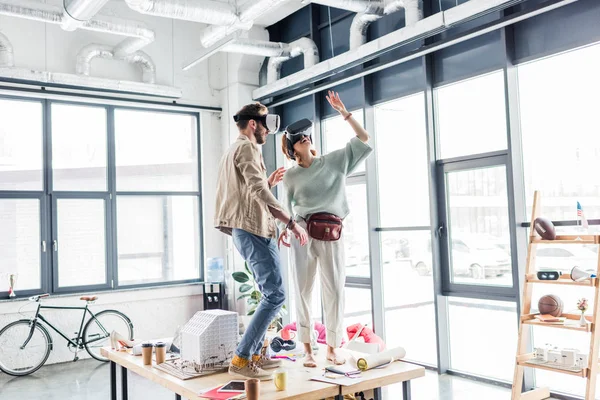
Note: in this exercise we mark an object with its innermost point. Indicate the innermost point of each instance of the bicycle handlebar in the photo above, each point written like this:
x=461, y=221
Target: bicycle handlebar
x=38, y=297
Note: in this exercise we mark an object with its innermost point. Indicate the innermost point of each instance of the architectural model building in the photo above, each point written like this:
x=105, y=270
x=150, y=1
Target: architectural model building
x=210, y=338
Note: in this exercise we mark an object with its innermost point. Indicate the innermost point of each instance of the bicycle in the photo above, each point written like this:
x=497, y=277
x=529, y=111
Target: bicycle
x=27, y=344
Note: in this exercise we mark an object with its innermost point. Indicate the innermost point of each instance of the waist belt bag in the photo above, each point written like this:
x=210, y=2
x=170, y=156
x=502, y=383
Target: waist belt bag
x=324, y=226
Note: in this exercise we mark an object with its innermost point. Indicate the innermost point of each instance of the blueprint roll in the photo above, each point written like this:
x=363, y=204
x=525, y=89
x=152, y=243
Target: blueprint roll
x=376, y=360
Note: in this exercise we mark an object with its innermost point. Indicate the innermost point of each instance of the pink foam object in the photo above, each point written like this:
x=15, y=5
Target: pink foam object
x=317, y=326
x=367, y=334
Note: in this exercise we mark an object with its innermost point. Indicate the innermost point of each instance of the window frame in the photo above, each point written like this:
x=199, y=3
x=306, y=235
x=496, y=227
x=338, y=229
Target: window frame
x=449, y=288
x=49, y=268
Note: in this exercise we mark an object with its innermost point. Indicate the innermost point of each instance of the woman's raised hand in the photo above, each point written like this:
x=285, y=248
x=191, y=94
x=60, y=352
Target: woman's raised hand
x=334, y=100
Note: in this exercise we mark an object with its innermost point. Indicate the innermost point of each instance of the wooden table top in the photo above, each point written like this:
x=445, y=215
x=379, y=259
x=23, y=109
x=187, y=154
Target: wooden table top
x=299, y=385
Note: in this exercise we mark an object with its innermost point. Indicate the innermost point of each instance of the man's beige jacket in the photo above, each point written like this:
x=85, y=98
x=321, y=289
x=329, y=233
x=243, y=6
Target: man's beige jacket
x=243, y=193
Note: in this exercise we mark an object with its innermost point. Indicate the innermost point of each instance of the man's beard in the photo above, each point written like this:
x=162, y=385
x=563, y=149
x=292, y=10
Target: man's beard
x=258, y=135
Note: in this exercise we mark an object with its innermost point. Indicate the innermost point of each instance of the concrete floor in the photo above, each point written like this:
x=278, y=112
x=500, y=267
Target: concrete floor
x=89, y=380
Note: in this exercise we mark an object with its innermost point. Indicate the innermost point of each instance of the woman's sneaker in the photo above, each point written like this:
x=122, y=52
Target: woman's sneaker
x=251, y=370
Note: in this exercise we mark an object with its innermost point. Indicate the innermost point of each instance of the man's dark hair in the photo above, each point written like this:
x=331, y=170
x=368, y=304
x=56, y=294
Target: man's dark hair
x=251, y=109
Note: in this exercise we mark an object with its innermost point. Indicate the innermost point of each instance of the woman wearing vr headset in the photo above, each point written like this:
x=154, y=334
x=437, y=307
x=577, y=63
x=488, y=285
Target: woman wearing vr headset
x=316, y=195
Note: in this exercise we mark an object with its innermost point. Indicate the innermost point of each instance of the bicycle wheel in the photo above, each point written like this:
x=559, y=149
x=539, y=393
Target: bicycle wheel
x=16, y=360
x=96, y=333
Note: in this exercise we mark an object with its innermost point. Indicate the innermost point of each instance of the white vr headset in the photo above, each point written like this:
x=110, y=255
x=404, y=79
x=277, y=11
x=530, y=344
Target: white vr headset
x=270, y=121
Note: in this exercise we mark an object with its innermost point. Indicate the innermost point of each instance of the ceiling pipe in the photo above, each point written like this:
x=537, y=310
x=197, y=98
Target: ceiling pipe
x=357, y=6
x=138, y=34
x=304, y=46
x=247, y=14
x=92, y=51
x=6, y=52
x=261, y=48
x=77, y=12
x=78, y=81
x=413, y=12
x=204, y=11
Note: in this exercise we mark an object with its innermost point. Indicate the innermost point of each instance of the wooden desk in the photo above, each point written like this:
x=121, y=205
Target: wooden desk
x=299, y=384
x=300, y=387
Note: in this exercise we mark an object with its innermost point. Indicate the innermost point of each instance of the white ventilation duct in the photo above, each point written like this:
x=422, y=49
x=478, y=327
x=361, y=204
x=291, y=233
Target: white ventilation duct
x=258, y=48
x=413, y=12
x=357, y=6
x=204, y=11
x=424, y=28
x=6, y=52
x=138, y=35
x=77, y=12
x=57, y=78
x=303, y=46
x=248, y=12
x=92, y=51
x=8, y=71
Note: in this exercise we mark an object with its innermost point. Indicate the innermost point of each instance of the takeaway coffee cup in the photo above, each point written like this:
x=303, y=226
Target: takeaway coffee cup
x=147, y=353
x=160, y=348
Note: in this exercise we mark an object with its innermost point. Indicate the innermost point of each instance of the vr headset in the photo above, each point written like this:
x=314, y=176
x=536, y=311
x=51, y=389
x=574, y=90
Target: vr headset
x=295, y=132
x=269, y=121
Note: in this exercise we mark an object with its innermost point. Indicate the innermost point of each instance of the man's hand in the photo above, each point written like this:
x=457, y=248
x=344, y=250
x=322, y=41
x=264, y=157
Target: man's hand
x=334, y=100
x=283, y=239
x=300, y=234
x=276, y=177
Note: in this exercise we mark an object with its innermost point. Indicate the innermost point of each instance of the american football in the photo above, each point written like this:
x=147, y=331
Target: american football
x=545, y=228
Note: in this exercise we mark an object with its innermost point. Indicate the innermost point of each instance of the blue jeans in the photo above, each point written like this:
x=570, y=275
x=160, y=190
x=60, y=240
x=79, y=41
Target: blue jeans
x=262, y=256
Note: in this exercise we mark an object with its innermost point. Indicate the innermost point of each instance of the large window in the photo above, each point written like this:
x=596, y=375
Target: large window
x=156, y=151
x=481, y=330
x=79, y=148
x=561, y=146
x=21, y=149
x=407, y=262
x=337, y=133
x=87, y=204
x=20, y=240
x=561, y=153
x=472, y=116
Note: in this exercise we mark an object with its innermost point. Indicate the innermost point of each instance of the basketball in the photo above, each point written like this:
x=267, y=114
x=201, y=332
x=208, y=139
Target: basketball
x=551, y=304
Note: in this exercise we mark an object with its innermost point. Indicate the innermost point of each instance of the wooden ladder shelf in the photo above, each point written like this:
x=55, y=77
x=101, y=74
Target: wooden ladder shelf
x=527, y=319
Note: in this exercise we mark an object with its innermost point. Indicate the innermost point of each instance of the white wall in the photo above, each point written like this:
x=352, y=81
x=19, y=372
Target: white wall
x=44, y=47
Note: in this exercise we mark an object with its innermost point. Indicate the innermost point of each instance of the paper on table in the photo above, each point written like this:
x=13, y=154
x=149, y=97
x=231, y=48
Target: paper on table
x=336, y=379
x=383, y=358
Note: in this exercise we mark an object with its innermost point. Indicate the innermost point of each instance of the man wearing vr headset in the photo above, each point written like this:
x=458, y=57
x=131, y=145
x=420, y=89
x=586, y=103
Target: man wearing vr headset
x=316, y=194
x=245, y=209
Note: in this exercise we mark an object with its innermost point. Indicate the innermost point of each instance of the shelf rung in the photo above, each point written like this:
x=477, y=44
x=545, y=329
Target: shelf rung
x=572, y=239
x=583, y=373
x=565, y=279
x=529, y=319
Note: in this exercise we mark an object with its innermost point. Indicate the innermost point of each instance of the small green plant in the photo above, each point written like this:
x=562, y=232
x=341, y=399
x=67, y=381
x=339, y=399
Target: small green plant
x=250, y=292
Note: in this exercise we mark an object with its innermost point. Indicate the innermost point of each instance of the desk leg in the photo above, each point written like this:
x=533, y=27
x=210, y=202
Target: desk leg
x=113, y=381
x=406, y=390
x=177, y=397
x=124, y=392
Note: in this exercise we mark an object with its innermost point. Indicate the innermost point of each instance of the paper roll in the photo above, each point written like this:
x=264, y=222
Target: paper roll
x=379, y=359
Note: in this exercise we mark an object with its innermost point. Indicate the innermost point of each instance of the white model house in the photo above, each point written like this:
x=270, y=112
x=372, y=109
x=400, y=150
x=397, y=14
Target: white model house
x=210, y=338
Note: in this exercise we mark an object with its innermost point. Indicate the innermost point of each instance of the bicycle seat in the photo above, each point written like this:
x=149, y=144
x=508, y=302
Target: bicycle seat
x=89, y=298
